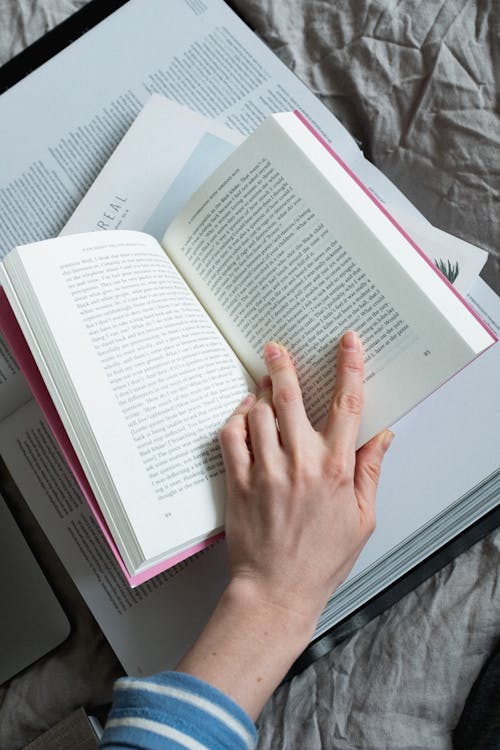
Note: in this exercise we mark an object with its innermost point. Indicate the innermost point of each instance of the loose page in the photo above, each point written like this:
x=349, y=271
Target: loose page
x=142, y=381
x=275, y=251
x=166, y=155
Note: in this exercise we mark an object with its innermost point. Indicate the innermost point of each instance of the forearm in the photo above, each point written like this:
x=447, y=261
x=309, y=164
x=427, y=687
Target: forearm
x=248, y=646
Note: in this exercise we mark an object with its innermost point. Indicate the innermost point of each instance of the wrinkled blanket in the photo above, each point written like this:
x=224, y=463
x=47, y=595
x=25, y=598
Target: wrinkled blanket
x=418, y=84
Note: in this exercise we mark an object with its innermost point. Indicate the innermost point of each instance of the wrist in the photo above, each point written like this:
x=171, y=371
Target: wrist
x=274, y=618
x=248, y=645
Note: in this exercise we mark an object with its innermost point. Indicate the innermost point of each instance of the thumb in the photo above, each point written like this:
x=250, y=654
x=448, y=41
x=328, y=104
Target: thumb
x=368, y=466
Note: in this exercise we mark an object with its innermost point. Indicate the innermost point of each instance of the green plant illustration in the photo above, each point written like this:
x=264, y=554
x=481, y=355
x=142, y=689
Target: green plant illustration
x=447, y=269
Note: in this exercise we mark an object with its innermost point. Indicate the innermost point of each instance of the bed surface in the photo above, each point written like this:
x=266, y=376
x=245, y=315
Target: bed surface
x=418, y=85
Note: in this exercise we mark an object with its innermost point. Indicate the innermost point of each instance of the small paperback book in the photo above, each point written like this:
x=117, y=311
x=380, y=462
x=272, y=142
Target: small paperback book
x=138, y=351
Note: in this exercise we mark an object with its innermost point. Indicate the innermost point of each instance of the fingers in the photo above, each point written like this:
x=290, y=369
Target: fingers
x=344, y=415
x=233, y=440
x=286, y=395
x=368, y=465
x=264, y=437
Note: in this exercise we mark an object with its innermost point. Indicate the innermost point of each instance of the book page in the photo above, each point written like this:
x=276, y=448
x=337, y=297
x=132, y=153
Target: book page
x=141, y=379
x=203, y=57
x=150, y=627
x=275, y=251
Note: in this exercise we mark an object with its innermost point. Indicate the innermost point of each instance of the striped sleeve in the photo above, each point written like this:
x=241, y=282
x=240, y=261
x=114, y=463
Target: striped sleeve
x=175, y=711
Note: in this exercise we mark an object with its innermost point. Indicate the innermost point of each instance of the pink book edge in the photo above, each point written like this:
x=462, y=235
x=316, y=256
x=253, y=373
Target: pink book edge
x=21, y=351
x=393, y=221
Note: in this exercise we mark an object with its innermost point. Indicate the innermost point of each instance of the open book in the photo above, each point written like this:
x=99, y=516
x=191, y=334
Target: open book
x=145, y=348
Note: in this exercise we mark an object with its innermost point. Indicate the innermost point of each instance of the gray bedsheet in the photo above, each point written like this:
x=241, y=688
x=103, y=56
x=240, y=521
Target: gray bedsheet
x=418, y=84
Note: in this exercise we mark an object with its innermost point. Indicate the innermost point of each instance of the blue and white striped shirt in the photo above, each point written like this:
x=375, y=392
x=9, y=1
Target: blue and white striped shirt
x=174, y=711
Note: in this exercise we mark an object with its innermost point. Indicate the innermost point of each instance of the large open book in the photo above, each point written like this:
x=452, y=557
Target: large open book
x=145, y=348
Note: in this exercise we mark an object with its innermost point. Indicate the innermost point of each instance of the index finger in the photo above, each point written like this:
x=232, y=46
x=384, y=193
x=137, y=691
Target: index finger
x=344, y=415
x=287, y=396
x=233, y=440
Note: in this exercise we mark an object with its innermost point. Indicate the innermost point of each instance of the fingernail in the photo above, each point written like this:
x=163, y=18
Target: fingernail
x=350, y=341
x=272, y=351
x=248, y=399
x=387, y=438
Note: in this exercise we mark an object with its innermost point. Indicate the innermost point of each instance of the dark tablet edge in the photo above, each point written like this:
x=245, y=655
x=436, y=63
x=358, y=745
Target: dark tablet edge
x=396, y=591
x=60, y=37
x=55, y=40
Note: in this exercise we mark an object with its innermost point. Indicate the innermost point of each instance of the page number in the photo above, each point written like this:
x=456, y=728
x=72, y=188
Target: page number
x=427, y=353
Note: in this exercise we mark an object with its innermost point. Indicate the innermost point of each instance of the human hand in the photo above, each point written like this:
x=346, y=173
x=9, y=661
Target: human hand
x=301, y=503
x=300, y=506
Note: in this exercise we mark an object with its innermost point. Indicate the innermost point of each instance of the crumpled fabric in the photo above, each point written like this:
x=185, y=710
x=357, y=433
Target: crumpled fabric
x=417, y=83
x=24, y=21
x=402, y=681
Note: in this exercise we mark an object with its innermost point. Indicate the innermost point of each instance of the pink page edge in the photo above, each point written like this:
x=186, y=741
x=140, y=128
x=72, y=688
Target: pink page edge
x=20, y=349
x=391, y=218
